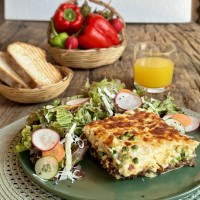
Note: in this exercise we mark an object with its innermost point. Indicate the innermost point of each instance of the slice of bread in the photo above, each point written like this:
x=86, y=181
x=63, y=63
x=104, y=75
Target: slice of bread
x=30, y=63
x=8, y=75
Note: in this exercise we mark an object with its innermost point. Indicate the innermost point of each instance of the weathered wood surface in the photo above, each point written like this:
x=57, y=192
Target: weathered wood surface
x=1, y=11
x=186, y=82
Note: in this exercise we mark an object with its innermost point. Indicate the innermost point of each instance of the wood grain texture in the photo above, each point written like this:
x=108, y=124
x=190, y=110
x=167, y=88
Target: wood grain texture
x=1, y=11
x=195, y=4
x=198, y=12
x=186, y=82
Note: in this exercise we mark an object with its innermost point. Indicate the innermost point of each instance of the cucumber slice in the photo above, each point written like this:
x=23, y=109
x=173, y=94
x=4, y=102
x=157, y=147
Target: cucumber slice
x=47, y=167
x=168, y=116
x=177, y=125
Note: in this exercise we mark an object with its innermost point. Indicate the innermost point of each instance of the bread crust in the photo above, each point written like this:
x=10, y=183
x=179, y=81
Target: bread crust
x=10, y=79
x=48, y=73
x=6, y=78
x=21, y=72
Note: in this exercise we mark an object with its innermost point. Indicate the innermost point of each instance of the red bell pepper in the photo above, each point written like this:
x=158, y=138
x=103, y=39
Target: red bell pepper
x=98, y=33
x=68, y=18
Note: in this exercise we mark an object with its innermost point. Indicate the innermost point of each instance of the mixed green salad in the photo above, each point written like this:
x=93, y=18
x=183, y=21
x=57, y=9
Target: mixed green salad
x=53, y=134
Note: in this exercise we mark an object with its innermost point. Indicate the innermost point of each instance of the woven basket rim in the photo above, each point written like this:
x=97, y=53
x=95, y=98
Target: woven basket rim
x=64, y=79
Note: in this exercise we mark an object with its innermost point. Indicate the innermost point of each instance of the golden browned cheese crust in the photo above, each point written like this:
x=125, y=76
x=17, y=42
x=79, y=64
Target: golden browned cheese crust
x=140, y=136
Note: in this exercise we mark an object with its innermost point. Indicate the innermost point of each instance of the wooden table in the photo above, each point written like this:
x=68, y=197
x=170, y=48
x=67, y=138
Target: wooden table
x=186, y=82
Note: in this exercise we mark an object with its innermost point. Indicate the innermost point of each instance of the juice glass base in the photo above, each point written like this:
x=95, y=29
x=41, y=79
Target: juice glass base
x=152, y=90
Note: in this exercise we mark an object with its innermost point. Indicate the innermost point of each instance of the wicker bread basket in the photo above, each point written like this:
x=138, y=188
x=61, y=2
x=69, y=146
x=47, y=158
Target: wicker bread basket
x=38, y=95
x=92, y=58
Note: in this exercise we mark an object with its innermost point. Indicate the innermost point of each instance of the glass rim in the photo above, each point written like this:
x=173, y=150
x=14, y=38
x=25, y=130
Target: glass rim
x=172, y=48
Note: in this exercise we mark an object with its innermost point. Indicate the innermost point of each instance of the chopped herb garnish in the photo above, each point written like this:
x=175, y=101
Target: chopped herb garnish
x=135, y=160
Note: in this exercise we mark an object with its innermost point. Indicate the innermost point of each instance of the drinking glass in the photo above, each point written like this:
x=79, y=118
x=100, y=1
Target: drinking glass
x=153, y=66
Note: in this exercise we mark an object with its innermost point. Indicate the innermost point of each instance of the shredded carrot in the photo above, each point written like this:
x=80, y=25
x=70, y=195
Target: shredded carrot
x=126, y=90
x=184, y=119
x=58, y=152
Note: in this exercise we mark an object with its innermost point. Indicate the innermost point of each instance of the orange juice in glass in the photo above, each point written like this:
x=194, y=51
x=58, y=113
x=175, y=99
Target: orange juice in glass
x=153, y=66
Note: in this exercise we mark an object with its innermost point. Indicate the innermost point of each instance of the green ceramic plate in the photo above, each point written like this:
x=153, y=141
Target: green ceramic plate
x=99, y=185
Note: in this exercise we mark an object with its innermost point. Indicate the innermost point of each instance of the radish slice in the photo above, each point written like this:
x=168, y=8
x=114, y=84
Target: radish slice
x=45, y=139
x=127, y=101
x=194, y=124
x=78, y=101
x=168, y=116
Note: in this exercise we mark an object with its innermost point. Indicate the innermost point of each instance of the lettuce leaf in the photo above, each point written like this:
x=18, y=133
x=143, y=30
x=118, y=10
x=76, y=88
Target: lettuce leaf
x=57, y=127
x=160, y=107
x=37, y=118
x=83, y=116
x=92, y=91
x=58, y=118
x=25, y=143
x=64, y=117
x=56, y=102
x=78, y=153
